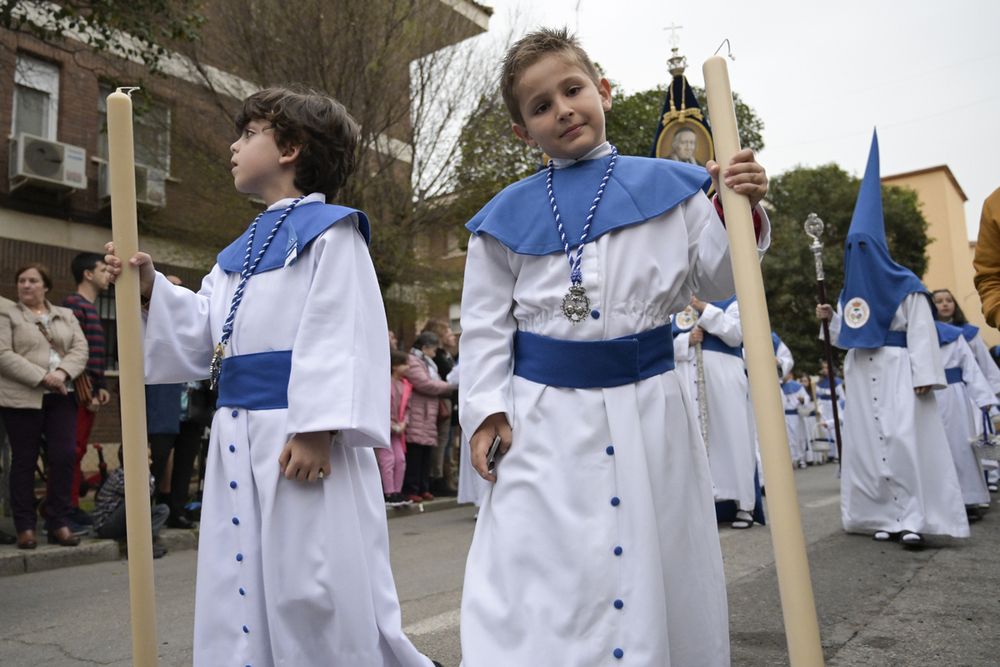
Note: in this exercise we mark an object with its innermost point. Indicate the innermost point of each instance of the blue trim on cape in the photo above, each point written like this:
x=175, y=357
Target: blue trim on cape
x=579, y=364
x=947, y=333
x=869, y=271
x=309, y=220
x=969, y=332
x=521, y=217
x=255, y=381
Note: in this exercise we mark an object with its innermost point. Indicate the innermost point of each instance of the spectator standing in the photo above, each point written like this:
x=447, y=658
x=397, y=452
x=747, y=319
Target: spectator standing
x=91, y=276
x=442, y=468
x=392, y=460
x=422, y=429
x=987, y=259
x=4, y=537
x=42, y=349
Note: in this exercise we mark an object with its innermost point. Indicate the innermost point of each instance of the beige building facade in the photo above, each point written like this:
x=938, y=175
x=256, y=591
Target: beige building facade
x=950, y=251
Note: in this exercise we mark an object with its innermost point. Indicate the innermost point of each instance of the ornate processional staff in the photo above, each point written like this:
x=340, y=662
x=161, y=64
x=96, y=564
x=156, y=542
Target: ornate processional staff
x=798, y=607
x=814, y=228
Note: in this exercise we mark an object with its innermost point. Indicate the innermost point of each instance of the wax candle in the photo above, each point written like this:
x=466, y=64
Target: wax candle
x=121, y=159
x=797, y=604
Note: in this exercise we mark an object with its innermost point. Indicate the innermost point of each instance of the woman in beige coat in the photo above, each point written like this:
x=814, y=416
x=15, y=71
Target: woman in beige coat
x=36, y=383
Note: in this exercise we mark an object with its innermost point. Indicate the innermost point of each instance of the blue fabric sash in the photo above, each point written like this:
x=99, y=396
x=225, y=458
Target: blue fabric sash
x=954, y=375
x=715, y=344
x=791, y=412
x=895, y=339
x=580, y=364
x=255, y=381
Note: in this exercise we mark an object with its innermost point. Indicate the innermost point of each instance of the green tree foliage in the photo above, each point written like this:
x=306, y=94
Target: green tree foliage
x=633, y=118
x=490, y=157
x=789, y=269
x=152, y=25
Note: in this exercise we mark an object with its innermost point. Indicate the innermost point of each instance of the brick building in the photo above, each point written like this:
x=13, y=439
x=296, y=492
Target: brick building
x=54, y=204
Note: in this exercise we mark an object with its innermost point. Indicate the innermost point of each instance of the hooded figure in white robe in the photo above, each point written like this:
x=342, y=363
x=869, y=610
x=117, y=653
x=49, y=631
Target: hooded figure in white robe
x=896, y=476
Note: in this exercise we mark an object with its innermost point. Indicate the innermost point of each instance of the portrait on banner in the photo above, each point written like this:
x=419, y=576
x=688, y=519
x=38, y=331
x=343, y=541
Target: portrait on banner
x=685, y=140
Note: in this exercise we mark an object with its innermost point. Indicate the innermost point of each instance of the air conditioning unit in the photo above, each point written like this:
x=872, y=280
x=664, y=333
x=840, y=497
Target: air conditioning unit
x=46, y=163
x=150, y=184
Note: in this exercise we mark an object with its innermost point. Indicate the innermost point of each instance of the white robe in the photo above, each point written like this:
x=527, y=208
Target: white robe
x=959, y=418
x=313, y=584
x=824, y=412
x=798, y=435
x=896, y=474
x=542, y=575
x=731, y=455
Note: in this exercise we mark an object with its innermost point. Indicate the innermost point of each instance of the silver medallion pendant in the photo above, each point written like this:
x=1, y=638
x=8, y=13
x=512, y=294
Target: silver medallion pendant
x=576, y=304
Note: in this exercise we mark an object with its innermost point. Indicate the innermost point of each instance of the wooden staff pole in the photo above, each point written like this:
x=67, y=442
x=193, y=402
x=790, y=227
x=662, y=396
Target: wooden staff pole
x=121, y=159
x=797, y=605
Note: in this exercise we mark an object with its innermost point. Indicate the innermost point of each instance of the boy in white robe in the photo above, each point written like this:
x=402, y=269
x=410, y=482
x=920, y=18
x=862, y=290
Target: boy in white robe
x=731, y=442
x=896, y=476
x=293, y=560
x=824, y=407
x=597, y=541
x=793, y=399
x=966, y=385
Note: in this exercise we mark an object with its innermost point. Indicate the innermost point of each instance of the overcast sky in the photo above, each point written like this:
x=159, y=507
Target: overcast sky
x=926, y=73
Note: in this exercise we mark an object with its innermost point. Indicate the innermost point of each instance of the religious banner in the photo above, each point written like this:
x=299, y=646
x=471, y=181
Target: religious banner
x=682, y=132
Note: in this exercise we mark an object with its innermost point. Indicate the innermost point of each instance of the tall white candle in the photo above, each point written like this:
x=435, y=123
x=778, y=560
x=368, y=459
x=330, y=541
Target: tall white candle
x=797, y=604
x=121, y=159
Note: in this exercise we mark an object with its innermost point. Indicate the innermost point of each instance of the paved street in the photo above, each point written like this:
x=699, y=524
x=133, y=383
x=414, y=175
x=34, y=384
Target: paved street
x=879, y=604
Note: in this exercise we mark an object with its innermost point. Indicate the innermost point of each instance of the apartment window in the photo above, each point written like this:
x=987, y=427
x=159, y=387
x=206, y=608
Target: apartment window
x=150, y=131
x=36, y=97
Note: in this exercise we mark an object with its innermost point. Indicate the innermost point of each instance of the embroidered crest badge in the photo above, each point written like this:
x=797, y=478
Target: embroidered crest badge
x=686, y=319
x=856, y=313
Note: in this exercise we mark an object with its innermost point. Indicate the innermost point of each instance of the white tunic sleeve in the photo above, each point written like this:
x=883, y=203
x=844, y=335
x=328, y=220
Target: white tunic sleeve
x=488, y=325
x=178, y=345
x=784, y=357
x=340, y=358
x=711, y=275
x=835, y=323
x=682, y=346
x=985, y=362
x=979, y=389
x=921, y=341
x=724, y=324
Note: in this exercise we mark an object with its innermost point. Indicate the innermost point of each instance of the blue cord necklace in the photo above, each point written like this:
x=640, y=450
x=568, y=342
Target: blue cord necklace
x=576, y=303
x=248, y=270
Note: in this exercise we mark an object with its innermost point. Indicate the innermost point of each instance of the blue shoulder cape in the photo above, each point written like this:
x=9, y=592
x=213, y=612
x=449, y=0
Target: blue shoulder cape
x=521, y=218
x=947, y=333
x=790, y=387
x=775, y=341
x=825, y=382
x=307, y=222
x=969, y=332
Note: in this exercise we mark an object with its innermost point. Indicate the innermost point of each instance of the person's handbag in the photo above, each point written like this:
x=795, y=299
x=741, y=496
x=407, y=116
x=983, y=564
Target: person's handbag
x=81, y=384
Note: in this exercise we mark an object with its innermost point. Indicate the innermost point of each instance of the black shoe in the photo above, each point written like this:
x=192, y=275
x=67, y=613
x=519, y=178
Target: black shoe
x=181, y=522
x=81, y=517
x=159, y=551
x=6, y=538
x=440, y=488
x=437, y=664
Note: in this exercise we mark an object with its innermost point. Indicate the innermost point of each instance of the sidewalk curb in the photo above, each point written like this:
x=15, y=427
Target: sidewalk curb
x=14, y=561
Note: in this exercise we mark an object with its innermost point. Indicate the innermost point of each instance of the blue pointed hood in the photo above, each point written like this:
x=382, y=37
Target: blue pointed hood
x=874, y=285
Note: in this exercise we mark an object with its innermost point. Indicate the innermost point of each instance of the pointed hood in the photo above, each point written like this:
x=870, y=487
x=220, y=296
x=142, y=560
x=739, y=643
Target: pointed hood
x=874, y=285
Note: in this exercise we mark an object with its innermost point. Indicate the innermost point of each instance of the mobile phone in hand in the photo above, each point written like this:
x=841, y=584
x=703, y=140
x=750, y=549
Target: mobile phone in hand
x=491, y=455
